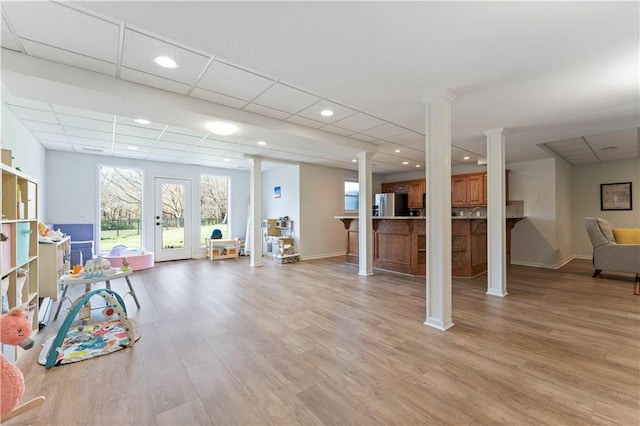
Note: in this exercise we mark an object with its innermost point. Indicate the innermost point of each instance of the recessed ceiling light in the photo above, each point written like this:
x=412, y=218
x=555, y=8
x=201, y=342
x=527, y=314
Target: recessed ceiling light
x=222, y=128
x=226, y=159
x=133, y=148
x=354, y=161
x=165, y=61
x=397, y=150
x=418, y=165
x=142, y=121
x=465, y=158
x=262, y=143
x=326, y=113
x=405, y=163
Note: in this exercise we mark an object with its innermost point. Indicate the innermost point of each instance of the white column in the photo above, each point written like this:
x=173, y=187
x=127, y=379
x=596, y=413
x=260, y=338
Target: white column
x=256, y=212
x=496, y=214
x=438, y=160
x=365, y=202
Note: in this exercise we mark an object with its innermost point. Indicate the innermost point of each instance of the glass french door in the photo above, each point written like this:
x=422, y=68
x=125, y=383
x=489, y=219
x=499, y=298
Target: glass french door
x=172, y=219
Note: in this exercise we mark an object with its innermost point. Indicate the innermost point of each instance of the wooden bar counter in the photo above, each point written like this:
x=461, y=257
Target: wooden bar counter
x=399, y=244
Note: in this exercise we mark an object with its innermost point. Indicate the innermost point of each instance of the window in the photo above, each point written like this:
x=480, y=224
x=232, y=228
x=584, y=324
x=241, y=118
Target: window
x=120, y=207
x=351, y=195
x=214, y=205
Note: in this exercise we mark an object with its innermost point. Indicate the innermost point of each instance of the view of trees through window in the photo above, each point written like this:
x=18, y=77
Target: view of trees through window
x=120, y=207
x=214, y=205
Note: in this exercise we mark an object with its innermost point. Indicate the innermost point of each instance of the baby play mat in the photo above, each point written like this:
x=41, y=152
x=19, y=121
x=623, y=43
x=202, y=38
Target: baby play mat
x=73, y=344
x=89, y=341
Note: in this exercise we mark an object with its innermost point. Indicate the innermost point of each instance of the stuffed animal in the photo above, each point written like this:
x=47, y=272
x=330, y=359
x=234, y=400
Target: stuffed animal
x=14, y=329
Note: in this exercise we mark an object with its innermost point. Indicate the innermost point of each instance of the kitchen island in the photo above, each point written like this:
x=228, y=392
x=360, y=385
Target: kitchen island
x=399, y=244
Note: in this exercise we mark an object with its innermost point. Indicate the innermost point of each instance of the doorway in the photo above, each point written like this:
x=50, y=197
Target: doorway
x=172, y=219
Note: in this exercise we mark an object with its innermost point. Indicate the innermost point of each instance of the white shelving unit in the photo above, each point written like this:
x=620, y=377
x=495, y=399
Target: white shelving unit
x=55, y=260
x=222, y=248
x=19, y=270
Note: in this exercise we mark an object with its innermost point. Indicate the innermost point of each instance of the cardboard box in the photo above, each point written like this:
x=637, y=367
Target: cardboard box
x=6, y=157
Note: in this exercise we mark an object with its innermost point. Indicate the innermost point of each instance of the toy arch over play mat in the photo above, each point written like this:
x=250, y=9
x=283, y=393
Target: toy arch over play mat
x=91, y=340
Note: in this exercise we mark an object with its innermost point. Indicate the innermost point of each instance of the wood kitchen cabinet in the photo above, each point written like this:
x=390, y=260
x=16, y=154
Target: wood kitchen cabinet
x=468, y=190
x=413, y=188
x=417, y=189
x=388, y=187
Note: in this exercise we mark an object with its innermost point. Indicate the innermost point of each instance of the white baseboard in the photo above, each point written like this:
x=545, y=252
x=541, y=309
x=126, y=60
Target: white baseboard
x=322, y=256
x=547, y=266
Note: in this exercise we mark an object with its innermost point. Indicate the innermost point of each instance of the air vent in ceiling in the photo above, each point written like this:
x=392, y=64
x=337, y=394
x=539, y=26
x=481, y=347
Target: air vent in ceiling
x=608, y=148
x=92, y=149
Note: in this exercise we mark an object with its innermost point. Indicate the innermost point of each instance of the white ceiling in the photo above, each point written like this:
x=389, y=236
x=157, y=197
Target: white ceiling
x=562, y=78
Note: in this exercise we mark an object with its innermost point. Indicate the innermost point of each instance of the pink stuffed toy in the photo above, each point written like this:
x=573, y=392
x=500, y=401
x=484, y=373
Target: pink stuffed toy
x=15, y=328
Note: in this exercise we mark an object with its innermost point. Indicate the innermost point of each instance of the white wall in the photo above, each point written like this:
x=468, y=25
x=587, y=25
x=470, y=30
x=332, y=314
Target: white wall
x=73, y=191
x=28, y=154
x=585, y=199
x=533, y=240
x=322, y=198
x=564, y=233
x=287, y=178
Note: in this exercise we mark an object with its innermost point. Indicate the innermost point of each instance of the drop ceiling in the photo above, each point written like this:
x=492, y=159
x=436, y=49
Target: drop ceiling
x=77, y=74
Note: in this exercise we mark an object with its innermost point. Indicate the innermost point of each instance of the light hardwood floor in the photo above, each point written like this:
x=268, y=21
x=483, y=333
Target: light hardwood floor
x=314, y=343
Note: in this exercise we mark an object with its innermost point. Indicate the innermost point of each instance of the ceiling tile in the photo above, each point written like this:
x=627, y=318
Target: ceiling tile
x=138, y=131
x=86, y=133
x=621, y=139
x=565, y=144
x=180, y=138
x=217, y=98
x=123, y=147
x=34, y=115
x=69, y=58
x=337, y=130
x=127, y=153
x=216, y=144
x=305, y=122
x=7, y=38
x=286, y=98
x=358, y=122
x=174, y=146
x=127, y=121
x=91, y=149
x=62, y=109
x=140, y=50
x=26, y=103
x=133, y=140
x=269, y=112
x=407, y=138
x=232, y=81
x=171, y=153
x=339, y=111
x=90, y=142
x=206, y=150
x=153, y=81
x=384, y=131
x=361, y=137
x=57, y=137
x=191, y=132
x=85, y=123
x=58, y=146
x=68, y=29
x=37, y=126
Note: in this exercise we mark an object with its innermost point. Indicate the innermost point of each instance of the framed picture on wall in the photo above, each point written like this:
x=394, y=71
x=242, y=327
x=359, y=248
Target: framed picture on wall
x=277, y=193
x=615, y=196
